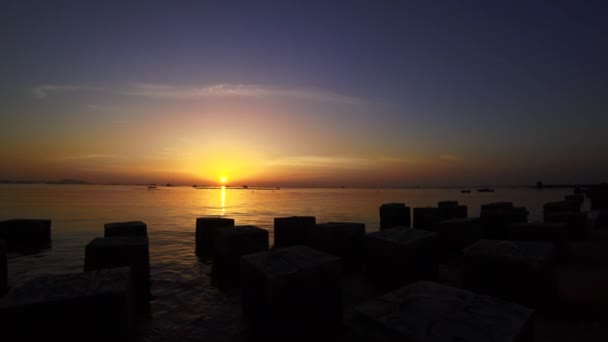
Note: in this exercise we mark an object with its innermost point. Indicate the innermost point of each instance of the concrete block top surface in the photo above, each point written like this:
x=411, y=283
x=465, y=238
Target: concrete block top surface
x=119, y=242
x=447, y=203
x=427, y=311
x=512, y=251
x=242, y=231
x=339, y=226
x=460, y=221
x=56, y=288
x=290, y=260
x=402, y=236
x=129, y=228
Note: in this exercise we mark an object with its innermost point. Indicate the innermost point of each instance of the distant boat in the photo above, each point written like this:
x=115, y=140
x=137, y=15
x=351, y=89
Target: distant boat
x=245, y=187
x=168, y=184
x=485, y=190
x=465, y=191
x=152, y=187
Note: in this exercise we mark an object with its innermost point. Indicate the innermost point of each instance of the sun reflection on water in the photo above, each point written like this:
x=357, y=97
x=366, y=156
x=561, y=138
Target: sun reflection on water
x=223, y=200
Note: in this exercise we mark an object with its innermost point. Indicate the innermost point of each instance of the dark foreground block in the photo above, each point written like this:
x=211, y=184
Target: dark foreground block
x=456, y=234
x=3, y=268
x=130, y=228
x=598, y=196
x=292, y=292
x=345, y=240
x=519, y=271
x=452, y=212
x=426, y=217
x=559, y=207
x=206, y=229
x=394, y=215
x=291, y=231
x=231, y=244
x=19, y=233
x=556, y=233
x=442, y=204
x=397, y=256
x=496, y=217
x=89, y=306
x=577, y=224
x=427, y=311
x=112, y=252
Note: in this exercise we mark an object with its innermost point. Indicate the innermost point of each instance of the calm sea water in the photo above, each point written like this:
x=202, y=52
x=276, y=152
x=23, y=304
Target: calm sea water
x=185, y=300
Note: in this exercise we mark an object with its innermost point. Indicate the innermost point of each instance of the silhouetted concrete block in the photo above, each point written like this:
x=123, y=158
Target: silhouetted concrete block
x=520, y=271
x=231, y=244
x=345, y=240
x=3, y=268
x=577, y=224
x=558, y=207
x=20, y=233
x=556, y=233
x=206, y=229
x=496, y=217
x=130, y=228
x=450, y=212
x=397, y=256
x=394, y=215
x=120, y=251
x=578, y=198
x=291, y=231
x=427, y=311
x=426, y=217
x=598, y=219
x=598, y=196
x=89, y=306
x=442, y=204
x=292, y=292
x=456, y=234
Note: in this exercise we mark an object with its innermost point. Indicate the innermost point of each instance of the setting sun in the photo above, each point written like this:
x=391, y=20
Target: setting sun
x=223, y=179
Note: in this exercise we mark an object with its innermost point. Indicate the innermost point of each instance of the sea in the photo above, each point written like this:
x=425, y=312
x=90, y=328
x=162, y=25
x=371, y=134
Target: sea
x=186, y=304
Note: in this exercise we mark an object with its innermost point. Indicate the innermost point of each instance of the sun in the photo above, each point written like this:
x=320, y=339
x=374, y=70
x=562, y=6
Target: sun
x=223, y=179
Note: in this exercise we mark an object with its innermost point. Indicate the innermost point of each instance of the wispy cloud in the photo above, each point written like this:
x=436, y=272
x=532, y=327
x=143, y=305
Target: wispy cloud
x=322, y=161
x=93, y=157
x=172, y=92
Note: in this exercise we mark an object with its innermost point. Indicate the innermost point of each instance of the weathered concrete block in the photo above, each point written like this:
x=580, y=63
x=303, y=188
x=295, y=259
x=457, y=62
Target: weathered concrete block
x=456, y=234
x=120, y=251
x=130, y=228
x=291, y=231
x=577, y=224
x=427, y=311
x=556, y=233
x=89, y=306
x=3, y=268
x=426, y=217
x=206, y=229
x=394, y=215
x=294, y=291
x=452, y=212
x=231, y=244
x=345, y=240
x=496, y=217
x=20, y=233
x=397, y=256
x=559, y=207
x=520, y=271
x=442, y=204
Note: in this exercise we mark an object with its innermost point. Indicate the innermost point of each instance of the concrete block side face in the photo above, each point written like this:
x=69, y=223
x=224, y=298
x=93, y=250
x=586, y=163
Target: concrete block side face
x=94, y=306
x=556, y=233
x=522, y=272
x=345, y=240
x=442, y=204
x=233, y=243
x=394, y=215
x=303, y=298
x=456, y=234
x=495, y=221
x=291, y=231
x=3, y=268
x=206, y=230
x=25, y=232
x=131, y=228
x=452, y=212
x=561, y=207
x=426, y=217
x=427, y=311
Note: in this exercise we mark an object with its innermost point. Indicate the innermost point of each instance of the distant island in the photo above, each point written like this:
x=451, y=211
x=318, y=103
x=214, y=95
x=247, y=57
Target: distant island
x=61, y=181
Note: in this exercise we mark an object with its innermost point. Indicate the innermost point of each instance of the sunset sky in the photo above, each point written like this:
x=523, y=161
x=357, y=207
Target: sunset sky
x=304, y=93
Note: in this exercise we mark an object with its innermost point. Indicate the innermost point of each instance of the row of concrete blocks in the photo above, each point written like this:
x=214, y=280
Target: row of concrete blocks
x=398, y=214
x=99, y=304
x=598, y=196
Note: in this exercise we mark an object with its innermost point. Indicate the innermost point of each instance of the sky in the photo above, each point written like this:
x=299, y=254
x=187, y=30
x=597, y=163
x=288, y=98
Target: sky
x=304, y=93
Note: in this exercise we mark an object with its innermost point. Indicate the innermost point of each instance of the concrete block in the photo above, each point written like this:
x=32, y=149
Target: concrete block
x=206, y=229
x=577, y=224
x=24, y=233
x=559, y=207
x=442, y=204
x=452, y=212
x=292, y=292
x=291, y=231
x=556, y=233
x=496, y=217
x=598, y=196
x=520, y=271
x=120, y=251
x=578, y=198
x=456, y=234
x=89, y=306
x=427, y=311
x=397, y=256
x=394, y=215
x=130, y=228
x=233, y=243
x=345, y=240
x=3, y=268
x=426, y=217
